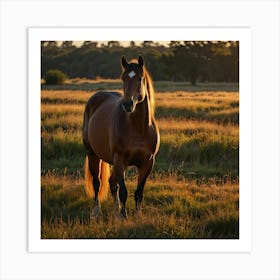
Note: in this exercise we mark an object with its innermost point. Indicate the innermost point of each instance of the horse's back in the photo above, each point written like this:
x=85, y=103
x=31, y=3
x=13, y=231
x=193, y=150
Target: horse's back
x=98, y=121
x=99, y=98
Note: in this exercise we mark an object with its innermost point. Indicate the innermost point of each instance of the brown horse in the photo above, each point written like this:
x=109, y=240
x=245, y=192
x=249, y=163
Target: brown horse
x=120, y=130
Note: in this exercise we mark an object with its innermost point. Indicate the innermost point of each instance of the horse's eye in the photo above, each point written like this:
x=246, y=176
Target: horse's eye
x=140, y=79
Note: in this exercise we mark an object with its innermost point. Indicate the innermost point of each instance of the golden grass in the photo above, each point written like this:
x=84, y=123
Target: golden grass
x=173, y=208
x=217, y=103
x=181, y=199
x=204, y=96
x=195, y=126
x=214, y=104
x=178, y=97
x=62, y=109
x=90, y=81
x=62, y=95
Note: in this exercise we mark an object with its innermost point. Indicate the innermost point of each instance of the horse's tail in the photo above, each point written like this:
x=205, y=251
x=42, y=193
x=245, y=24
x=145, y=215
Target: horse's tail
x=104, y=173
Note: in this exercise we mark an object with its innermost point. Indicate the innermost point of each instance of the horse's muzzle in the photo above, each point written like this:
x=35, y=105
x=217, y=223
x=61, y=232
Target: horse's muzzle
x=128, y=106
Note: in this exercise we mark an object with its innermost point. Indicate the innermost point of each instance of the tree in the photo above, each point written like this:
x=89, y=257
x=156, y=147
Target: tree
x=174, y=44
x=67, y=44
x=55, y=77
x=132, y=44
x=178, y=61
x=146, y=44
x=51, y=44
x=89, y=44
x=113, y=44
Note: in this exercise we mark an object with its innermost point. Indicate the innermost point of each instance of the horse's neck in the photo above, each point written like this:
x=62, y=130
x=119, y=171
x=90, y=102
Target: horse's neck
x=141, y=117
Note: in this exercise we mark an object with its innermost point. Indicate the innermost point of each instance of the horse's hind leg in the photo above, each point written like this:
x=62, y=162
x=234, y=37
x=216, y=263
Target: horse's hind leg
x=115, y=191
x=94, y=166
x=118, y=170
x=143, y=172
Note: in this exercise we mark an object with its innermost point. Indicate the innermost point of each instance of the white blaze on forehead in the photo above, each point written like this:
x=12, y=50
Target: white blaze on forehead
x=131, y=74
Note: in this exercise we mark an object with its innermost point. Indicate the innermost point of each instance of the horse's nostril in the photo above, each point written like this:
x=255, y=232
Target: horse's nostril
x=128, y=105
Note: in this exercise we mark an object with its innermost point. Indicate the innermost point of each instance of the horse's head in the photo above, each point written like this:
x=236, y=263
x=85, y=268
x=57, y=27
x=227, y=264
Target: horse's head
x=134, y=84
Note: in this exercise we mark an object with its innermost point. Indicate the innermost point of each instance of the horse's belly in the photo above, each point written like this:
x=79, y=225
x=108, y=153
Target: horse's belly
x=138, y=158
x=138, y=151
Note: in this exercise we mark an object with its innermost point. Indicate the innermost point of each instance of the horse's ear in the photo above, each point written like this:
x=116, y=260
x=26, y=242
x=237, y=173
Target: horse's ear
x=141, y=61
x=124, y=62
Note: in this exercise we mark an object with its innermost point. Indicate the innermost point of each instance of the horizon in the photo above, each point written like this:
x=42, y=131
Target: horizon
x=122, y=43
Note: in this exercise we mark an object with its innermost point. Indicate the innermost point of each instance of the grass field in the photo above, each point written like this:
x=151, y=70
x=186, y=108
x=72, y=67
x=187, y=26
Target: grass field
x=193, y=191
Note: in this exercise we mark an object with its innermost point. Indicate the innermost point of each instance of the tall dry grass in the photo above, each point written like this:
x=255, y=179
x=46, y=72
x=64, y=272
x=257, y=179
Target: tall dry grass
x=193, y=191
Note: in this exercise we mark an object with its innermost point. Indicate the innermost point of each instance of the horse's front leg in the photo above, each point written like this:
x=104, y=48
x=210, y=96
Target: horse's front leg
x=144, y=171
x=118, y=170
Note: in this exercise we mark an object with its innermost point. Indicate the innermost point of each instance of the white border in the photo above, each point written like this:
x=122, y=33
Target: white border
x=243, y=35
x=262, y=16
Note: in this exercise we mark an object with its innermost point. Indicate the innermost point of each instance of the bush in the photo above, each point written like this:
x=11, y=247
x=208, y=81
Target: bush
x=55, y=77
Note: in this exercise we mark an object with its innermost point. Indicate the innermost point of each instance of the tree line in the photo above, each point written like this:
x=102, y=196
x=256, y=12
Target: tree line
x=193, y=61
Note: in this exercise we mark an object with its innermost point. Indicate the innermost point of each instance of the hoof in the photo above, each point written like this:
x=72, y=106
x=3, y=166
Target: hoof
x=123, y=214
x=137, y=212
x=117, y=208
x=138, y=206
x=96, y=212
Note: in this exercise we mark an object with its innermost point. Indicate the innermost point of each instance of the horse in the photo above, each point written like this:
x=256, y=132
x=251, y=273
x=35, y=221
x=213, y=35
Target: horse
x=120, y=130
